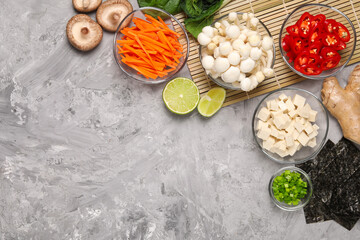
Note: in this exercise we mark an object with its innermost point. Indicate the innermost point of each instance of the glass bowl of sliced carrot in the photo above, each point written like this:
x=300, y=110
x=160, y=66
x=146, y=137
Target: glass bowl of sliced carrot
x=151, y=45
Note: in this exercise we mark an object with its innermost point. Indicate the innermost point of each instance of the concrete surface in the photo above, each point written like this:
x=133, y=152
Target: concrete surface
x=87, y=153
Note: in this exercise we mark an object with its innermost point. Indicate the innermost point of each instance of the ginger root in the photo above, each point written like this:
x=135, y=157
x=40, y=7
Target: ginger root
x=344, y=104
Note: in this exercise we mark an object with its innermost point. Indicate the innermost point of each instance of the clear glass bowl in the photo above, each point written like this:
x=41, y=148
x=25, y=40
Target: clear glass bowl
x=329, y=12
x=167, y=17
x=322, y=120
x=305, y=177
x=263, y=32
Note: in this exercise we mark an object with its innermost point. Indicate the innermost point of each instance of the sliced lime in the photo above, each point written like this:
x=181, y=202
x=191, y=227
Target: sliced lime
x=181, y=95
x=211, y=102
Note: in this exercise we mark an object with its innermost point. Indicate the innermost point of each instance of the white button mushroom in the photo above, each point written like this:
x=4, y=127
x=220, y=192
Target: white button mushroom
x=245, y=16
x=225, y=48
x=234, y=58
x=231, y=75
x=247, y=65
x=259, y=76
x=242, y=37
x=245, y=84
x=254, y=40
x=222, y=39
x=216, y=39
x=232, y=16
x=209, y=31
x=211, y=46
x=233, y=32
x=242, y=76
x=254, y=22
x=267, y=43
x=268, y=72
x=245, y=51
x=225, y=23
x=208, y=62
x=255, y=53
x=254, y=82
x=217, y=25
x=203, y=39
x=221, y=64
x=238, y=44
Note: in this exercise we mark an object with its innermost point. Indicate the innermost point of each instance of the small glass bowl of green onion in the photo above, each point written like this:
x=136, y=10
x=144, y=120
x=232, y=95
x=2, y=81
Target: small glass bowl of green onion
x=290, y=188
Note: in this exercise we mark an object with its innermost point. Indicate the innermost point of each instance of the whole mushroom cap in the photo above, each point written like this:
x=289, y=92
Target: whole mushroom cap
x=86, y=5
x=112, y=12
x=83, y=32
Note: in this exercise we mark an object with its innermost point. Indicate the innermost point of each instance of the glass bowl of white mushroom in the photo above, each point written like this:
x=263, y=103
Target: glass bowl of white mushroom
x=237, y=51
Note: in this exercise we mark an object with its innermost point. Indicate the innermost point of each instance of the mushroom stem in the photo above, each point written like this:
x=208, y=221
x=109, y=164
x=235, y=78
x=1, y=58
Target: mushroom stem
x=84, y=30
x=86, y=3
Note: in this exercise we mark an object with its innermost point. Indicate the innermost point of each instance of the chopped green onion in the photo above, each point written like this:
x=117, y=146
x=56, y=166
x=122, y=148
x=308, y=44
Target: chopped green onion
x=289, y=188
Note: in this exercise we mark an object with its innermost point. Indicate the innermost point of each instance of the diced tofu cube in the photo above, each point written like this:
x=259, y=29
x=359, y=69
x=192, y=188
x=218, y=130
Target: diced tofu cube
x=308, y=128
x=282, y=106
x=312, y=143
x=303, y=138
x=289, y=140
x=279, y=121
x=274, y=105
x=312, y=115
x=299, y=126
x=315, y=127
x=300, y=120
x=281, y=145
x=264, y=133
x=281, y=135
x=268, y=105
x=289, y=104
x=287, y=121
x=303, y=112
x=264, y=114
x=292, y=150
x=282, y=153
x=269, y=143
x=270, y=122
x=291, y=127
x=274, y=114
x=283, y=97
x=299, y=101
x=260, y=125
x=274, y=132
x=313, y=134
x=293, y=113
x=295, y=134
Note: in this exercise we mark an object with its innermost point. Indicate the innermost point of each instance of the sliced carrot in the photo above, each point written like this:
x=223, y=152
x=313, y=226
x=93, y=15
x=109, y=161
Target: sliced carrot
x=150, y=47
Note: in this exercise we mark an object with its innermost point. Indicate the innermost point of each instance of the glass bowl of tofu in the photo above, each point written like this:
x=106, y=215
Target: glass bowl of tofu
x=290, y=125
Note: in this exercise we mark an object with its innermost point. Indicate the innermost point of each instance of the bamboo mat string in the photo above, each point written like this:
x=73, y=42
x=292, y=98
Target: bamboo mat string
x=286, y=10
x=353, y=8
x=251, y=6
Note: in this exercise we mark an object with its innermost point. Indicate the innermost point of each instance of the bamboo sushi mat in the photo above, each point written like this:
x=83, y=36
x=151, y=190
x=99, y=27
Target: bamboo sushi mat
x=272, y=13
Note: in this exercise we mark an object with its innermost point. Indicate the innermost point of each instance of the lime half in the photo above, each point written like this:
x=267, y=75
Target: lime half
x=211, y=102
x=181, y=95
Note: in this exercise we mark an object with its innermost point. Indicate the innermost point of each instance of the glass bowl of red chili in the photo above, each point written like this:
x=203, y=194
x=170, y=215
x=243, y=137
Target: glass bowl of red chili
x=317, y=41
x=290, y=188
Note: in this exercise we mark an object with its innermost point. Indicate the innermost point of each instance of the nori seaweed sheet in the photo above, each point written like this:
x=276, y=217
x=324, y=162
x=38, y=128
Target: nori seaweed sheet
x=346, y=162
x=315, y=210
x=335, y=174
x=346, y=200
x=312, y=167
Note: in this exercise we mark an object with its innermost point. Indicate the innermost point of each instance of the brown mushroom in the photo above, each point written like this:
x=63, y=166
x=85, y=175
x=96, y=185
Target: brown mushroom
x=83, y=32
x=112, y=12
x=86, y=5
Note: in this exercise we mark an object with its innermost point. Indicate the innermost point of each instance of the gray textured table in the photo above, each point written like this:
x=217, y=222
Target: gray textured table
x=87, y=153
